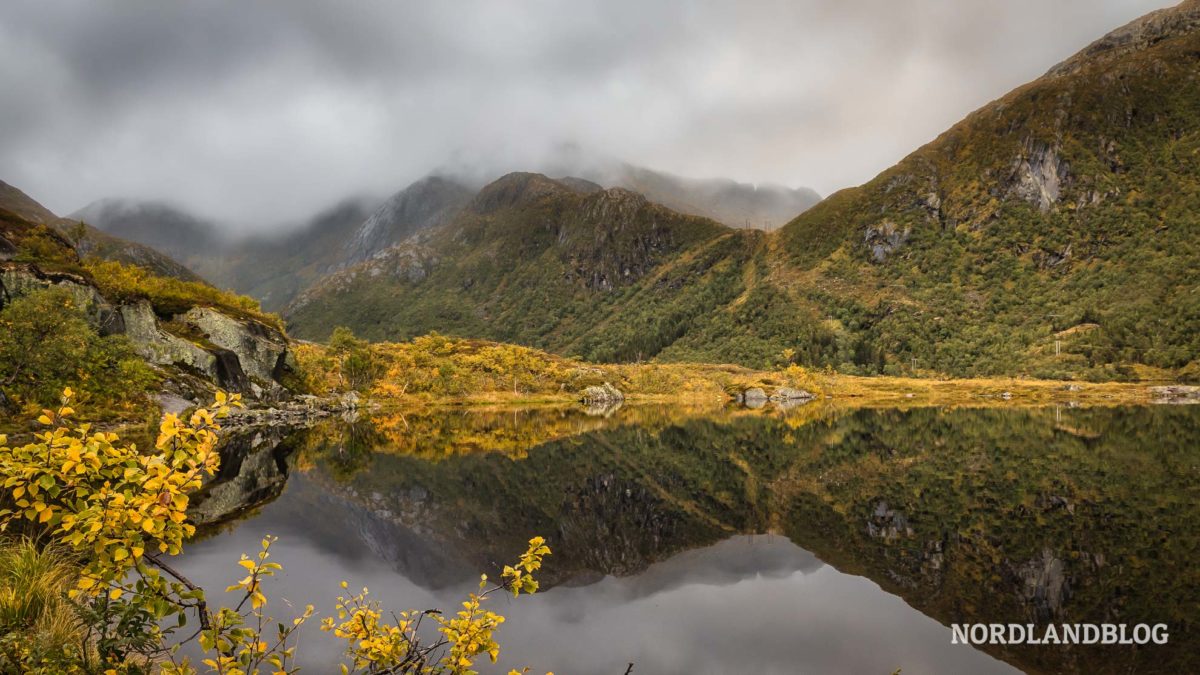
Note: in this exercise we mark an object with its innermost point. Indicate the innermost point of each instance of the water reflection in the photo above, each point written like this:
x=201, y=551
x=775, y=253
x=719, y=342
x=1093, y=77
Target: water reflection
x=986, y=515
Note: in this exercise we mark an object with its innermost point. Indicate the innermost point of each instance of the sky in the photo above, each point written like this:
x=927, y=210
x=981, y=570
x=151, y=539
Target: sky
x=259, y=113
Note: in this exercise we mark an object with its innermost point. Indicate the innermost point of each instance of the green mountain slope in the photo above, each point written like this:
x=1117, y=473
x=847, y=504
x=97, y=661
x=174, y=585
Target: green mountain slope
x=1061, y=217
x=535, y=261
x=1052, y=233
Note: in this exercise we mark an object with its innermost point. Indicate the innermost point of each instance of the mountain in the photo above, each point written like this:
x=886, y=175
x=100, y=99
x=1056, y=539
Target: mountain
x=763, y=207
x=739, y=205
x=1051, y=233
x=88, y=241
x=275, y=268
x=424, y=204
x=537, y=261
x=161, y=226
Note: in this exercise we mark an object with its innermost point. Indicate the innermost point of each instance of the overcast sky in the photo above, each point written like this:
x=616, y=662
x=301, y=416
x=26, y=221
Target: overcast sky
x=260, y=112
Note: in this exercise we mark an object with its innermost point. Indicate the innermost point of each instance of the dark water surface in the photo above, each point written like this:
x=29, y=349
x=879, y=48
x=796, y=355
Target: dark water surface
x=802, y=541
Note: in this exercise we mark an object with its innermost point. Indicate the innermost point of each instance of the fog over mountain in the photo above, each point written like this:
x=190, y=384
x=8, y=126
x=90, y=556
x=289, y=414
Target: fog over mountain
x=257, y=115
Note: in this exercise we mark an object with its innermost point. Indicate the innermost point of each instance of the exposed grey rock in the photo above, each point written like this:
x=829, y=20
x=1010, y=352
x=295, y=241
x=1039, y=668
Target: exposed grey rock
x=754, y=394
x=883, y=239
x=1044, y=586
x=162, y=348
x=260, y=350
x=791, y=394
x=1176, y=393
x=1038, y=174
x=603, y=395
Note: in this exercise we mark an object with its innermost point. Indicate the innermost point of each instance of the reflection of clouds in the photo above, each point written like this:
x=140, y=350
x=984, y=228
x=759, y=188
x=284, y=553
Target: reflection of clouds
x=728, y=562
x=791, y=615
x=749, y=604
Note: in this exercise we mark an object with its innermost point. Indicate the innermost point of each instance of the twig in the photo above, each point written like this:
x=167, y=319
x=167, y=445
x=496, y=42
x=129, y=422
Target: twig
x=201, y=606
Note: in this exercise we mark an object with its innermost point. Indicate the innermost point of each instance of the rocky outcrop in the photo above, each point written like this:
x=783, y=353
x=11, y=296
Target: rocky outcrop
x=162, y=348
x=238, y=355
x=261, y=352
x=883, y=239
x=1039, y=174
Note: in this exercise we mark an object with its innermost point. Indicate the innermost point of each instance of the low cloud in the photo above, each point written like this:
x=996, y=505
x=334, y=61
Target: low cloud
x=262, y=113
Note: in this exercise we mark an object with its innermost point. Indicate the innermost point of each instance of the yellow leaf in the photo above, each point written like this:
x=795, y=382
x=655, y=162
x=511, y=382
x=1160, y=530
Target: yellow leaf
x=114, y=594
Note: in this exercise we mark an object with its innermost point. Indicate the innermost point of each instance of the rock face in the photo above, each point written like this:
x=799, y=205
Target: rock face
x=420, y=206
x=884, y=238
x=1044, y=586
x=162, y=348
x=261, y=351
x=1039, y=174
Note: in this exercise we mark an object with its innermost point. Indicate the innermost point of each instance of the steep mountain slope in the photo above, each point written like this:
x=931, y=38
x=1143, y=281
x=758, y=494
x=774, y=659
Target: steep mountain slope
x=1053, y=233
x=426, y=203
x=274, y=269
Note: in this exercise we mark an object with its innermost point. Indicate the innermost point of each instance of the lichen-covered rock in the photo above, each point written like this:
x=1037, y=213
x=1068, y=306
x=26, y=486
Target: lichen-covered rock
x=883, y=239
x=261, y=351
x=603, y=394
x=160, y=347
x=791, y=394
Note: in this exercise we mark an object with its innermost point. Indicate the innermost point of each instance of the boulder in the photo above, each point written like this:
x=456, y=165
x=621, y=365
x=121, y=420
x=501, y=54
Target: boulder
x=754, y=394
x=1176, y=393
x=603, y=394
x=783, y=394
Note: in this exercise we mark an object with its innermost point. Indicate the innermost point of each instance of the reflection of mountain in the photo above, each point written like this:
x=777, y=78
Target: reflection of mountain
x=727, y=562
x=970, y=515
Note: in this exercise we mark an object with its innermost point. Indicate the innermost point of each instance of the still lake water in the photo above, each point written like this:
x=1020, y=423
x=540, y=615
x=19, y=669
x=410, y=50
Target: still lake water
x=733, y=541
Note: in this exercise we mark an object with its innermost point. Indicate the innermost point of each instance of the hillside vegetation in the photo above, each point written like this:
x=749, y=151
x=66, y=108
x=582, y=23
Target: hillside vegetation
x=1051, y=233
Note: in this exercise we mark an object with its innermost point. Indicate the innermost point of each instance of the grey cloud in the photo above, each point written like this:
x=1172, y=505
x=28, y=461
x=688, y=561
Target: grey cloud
x=257, y=113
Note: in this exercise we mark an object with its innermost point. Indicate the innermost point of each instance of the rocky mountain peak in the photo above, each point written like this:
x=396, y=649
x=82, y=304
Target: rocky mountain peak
x=516, y=188
x=1139, y=34
x=424, y=204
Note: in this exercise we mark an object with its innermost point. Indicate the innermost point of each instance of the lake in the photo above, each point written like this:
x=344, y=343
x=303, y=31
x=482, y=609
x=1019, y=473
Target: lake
x=812, y=540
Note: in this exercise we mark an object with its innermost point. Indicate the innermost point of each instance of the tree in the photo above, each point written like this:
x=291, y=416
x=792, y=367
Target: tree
x=356, y=364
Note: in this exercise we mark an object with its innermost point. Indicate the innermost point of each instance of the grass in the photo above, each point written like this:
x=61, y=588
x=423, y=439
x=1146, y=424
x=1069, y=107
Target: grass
x=35, y=616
